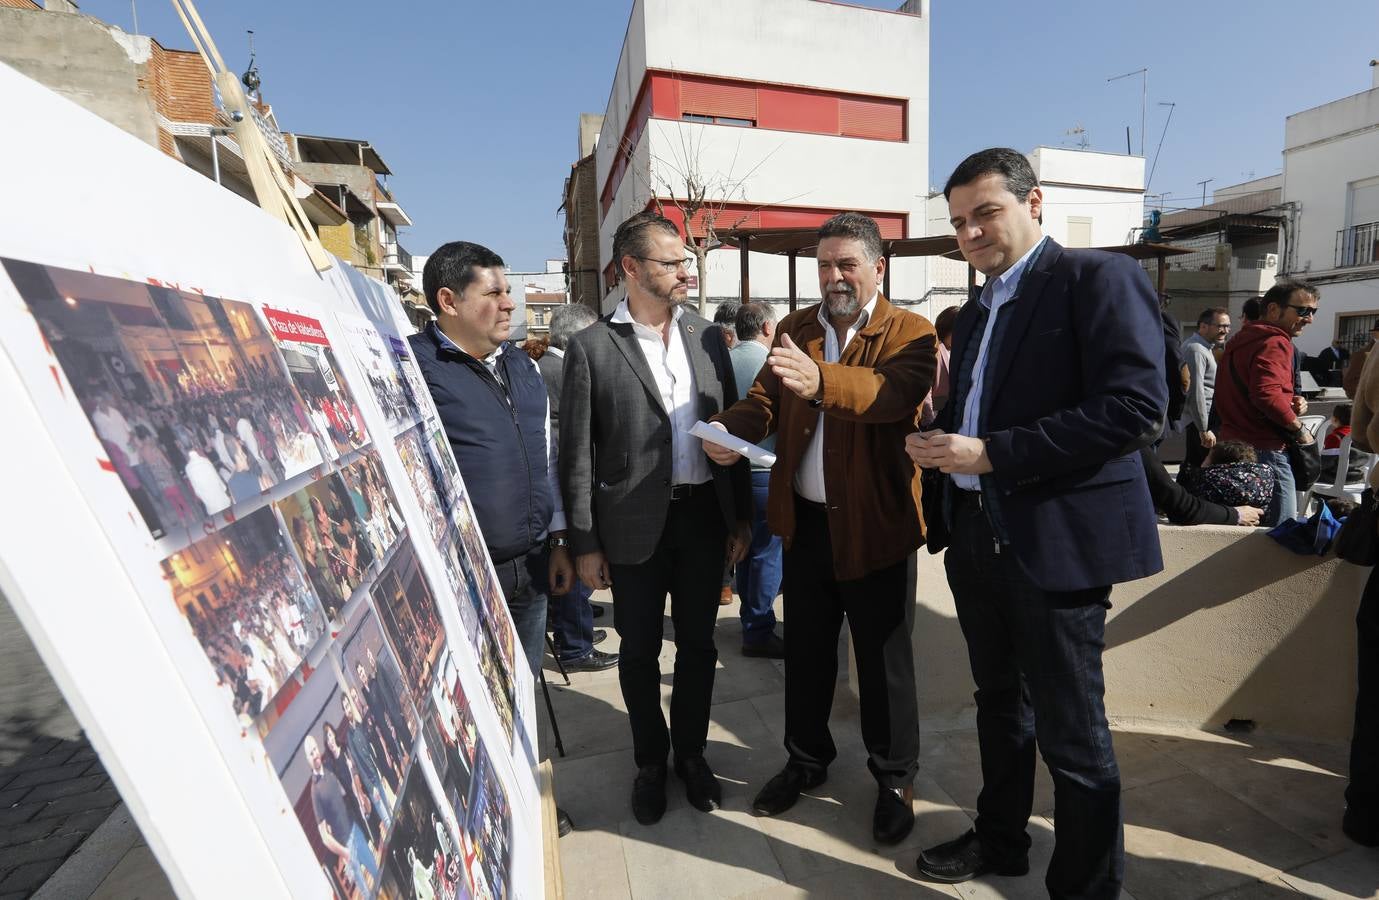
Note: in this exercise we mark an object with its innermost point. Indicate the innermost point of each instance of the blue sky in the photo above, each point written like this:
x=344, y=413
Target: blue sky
x=474, y=105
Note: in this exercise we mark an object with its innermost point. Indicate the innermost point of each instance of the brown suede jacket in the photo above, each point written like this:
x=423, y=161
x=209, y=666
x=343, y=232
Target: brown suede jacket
x=871, y=401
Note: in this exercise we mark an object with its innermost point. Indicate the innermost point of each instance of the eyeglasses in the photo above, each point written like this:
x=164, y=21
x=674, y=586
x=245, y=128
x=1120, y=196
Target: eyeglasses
x=670, y=265
x=1304, y=312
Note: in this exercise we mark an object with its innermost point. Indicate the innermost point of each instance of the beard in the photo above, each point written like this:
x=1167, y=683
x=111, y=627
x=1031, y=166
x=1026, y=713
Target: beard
x=841, y=301
x=667, y=295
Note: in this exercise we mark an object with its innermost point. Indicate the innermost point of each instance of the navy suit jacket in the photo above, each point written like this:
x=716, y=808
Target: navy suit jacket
x=1076, y=389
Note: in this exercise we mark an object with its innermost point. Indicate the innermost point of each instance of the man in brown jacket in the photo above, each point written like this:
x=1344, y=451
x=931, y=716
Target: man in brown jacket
x=841, y=388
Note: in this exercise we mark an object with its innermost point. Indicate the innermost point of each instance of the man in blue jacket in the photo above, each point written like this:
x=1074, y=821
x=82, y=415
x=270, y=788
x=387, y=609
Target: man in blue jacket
x=1058, y=381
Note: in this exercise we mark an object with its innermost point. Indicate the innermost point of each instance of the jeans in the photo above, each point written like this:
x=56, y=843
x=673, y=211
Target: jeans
x=521, y=579
x=1036, y=660
x=759, y=573
x=362, y=860
x=1284, y=505
x=1362, y=793
x=571, y=620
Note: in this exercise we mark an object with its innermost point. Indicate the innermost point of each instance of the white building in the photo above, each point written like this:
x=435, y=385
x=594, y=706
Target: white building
x=1331, y=186
x=755, y=93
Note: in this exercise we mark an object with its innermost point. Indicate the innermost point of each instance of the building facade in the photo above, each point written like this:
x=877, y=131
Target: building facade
x=777, y=136
x=1331, y=192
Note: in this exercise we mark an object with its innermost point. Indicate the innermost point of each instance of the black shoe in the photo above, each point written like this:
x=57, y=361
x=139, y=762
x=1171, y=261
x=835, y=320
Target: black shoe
x=1360, y=829
x=894, y=815
x=593, y=661
x=649, y=794
x=599, y=636
x=771, y=648
x=702, y=790
x=781, y=792
x=964, y=859
x=563, y=823
x=598, y=612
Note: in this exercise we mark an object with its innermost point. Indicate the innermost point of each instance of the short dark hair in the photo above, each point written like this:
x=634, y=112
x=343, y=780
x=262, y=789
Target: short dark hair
x=857, y=226
x=1250, y=309
x=726, y=314
x=452, y=266
x=1281, y=294
x=1227, y=452
x=1342, y=413
x=752, y=319
x=943, y=323
x=631, y=237
x=1003, y=161
x=1209, y=314
x=568, y=319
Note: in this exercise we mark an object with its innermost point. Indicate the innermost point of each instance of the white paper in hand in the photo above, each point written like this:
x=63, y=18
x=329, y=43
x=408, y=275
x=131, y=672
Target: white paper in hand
x=755, y=454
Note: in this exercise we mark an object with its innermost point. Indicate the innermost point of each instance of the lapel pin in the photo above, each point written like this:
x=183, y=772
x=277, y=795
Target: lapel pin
x=690, y=329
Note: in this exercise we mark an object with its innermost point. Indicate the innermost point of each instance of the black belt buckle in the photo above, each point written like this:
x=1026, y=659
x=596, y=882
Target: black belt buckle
x=681, y=491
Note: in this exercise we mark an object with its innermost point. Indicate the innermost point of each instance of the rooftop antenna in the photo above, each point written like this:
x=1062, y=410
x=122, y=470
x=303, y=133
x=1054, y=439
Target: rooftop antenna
x=251, y=78
x=1171, y=106
x=1080, y=133
x=134, y=11
x=1144, y=96
x=1204, y=189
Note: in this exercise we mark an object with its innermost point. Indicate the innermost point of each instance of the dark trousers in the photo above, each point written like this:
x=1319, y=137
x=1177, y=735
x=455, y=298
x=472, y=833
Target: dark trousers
x=570, y=617
x=1036, y=660
x=1362, y=794
x=880, y=612
x=759, y=573
x=520, y=580
x=688, y=565
x=1193, y=451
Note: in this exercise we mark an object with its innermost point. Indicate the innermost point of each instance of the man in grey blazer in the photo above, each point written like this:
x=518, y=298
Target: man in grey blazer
x=648, y=514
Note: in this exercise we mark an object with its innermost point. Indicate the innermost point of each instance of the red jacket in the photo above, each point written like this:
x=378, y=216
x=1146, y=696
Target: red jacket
x=1261, y=358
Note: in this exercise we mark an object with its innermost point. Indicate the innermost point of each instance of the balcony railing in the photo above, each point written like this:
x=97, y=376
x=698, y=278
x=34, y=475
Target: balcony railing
x=1357, y=245
x=394, y=256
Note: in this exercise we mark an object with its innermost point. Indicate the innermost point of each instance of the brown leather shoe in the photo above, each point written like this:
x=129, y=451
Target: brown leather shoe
x=725, y=596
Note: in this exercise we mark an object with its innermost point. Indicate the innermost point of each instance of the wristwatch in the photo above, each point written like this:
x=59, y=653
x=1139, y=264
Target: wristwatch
x=557, y=542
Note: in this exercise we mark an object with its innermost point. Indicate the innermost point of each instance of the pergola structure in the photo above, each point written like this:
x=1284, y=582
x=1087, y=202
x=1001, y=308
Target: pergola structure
x=792, y=243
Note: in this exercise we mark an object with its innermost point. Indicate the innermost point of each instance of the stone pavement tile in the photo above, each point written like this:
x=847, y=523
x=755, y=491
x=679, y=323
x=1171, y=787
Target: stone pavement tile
x=1278, y=779
x=1142, y=761
x=738, y=677
x=1185, y=837
x=1022, y=887
x=1352, y=873
x=693, y=854
x=592, y=720
x=137, y=876
x=873, y=884
x=742, y=752
x=1269, y=889
x=955, y=763
x=596, y=790
x=592, y=865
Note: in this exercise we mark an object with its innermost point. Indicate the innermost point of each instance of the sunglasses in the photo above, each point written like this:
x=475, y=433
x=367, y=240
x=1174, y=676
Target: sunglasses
x=1304, y=312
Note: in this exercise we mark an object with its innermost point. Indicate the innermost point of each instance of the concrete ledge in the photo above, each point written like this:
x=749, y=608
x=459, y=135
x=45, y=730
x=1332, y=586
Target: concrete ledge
x=1235, y=627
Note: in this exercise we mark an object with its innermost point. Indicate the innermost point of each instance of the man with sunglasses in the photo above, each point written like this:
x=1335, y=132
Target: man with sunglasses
x=648, y=514
x=1255, y=395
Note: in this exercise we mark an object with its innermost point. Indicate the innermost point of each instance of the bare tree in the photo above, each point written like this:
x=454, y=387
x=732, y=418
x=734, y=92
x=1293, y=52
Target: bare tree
x=708, y=202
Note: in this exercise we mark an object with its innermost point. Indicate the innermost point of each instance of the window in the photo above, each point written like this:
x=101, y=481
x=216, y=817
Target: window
x=1353, y=330
x=1363, y=202
x=719, y=120
x=1079, y=231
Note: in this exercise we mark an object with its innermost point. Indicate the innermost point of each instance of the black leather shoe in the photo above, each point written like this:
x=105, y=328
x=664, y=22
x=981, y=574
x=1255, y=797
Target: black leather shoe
x=702, y=790
x=894, y=815
x=964, y=859
x=600, y=635
x=781, y=792
x=563, y=823
x=771, y=648
x=649, y=794
x=595, y=661
x=598, y=612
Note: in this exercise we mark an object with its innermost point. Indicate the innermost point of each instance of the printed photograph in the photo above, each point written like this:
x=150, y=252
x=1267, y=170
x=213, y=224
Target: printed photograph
x=423, y=858
x=487, y=600
x=456, y=738
x=249, y=606
x=408, y=610
x=311, y=363
x=412, y=385
x=486, y=832
x=334, y=547
x=376, y=357
x=374, y=683
x=375, y=505
x=188, y=394
x=429, y=493
x=343, y=794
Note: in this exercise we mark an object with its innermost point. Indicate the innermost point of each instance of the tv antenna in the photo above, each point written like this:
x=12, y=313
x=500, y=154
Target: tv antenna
x=1144, y=96
x=1080, y=136
x=251, y=78
x=1171, y=106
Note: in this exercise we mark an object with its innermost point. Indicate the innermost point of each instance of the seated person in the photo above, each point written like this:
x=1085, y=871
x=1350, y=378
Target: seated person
x=1233, y=476
x=1339, y=430
x=1181, y=508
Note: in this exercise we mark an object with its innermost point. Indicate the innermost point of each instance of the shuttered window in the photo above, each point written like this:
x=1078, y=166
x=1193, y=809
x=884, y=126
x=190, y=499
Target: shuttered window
x=718, y=99
x=881, y=120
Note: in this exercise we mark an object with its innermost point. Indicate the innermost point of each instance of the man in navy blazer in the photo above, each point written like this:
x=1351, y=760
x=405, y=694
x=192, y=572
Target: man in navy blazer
x=1058, y=381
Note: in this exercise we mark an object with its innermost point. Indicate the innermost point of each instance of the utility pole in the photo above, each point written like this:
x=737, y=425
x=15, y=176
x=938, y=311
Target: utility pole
x=1144, y=96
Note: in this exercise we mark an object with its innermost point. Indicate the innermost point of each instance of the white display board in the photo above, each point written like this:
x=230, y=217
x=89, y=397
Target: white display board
x=236, y=533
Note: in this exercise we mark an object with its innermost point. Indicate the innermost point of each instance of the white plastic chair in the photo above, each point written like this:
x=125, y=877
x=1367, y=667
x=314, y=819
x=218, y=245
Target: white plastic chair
x=1313, y=424
x=1339, y=488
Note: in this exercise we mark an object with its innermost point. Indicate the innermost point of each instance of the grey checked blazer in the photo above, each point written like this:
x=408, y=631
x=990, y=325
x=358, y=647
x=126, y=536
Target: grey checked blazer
x=615, y=451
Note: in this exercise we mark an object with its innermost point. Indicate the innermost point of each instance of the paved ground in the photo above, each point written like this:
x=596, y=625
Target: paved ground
x=1245, y=817
x=1207, y=815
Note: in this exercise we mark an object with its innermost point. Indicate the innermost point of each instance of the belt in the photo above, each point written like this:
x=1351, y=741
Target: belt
x=806, y=503
x=685, y=491
x=962, y=495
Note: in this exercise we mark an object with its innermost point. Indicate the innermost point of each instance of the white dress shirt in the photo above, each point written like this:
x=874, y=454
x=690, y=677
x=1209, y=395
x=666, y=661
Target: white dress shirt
x=490, y=362
x=670, y=367
x=809, y=477
x=995, y=294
